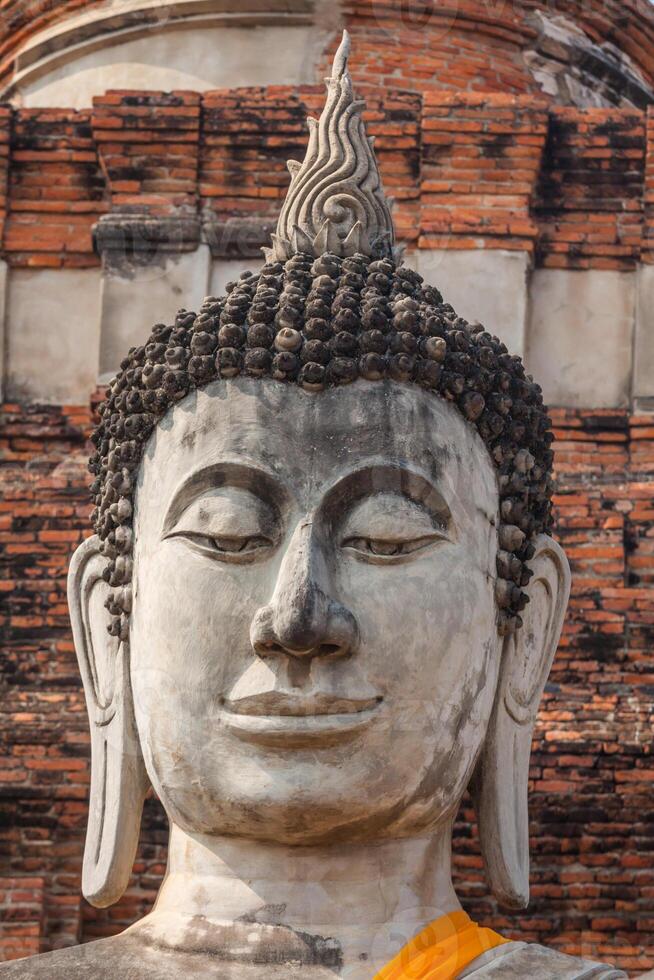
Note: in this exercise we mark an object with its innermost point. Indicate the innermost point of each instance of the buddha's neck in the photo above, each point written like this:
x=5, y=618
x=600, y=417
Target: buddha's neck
x=368, y=900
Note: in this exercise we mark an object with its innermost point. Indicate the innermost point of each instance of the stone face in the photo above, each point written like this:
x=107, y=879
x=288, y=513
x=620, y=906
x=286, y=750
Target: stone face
x=297, y=570
x=308, y=586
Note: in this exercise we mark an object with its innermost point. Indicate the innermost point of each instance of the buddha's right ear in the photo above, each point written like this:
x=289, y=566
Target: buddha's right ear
x=118, y=778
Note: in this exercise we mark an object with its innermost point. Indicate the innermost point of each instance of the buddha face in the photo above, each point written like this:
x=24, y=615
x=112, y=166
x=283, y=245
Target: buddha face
x=314, y=652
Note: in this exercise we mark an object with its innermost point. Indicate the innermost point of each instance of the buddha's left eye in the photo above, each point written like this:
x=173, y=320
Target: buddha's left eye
x=389, y=527
x=378, y=548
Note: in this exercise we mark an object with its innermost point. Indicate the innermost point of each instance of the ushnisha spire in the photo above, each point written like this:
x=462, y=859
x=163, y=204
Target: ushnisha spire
x=335, y=202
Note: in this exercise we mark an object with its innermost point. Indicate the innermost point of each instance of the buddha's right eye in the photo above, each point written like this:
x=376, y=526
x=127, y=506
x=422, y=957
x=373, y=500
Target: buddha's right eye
x=229, y=549
x=234, y=546
x=230, y=524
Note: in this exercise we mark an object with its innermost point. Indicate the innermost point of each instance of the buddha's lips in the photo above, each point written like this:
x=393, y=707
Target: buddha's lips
x=280, y=704
x=277, y=719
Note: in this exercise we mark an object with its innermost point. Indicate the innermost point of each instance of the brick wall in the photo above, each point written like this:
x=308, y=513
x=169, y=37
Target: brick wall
x=592, y=767
x=56, y=190
x=589, y=200
x=572, y=186
x=481, y=158
x=22, y=903
x=148, y=146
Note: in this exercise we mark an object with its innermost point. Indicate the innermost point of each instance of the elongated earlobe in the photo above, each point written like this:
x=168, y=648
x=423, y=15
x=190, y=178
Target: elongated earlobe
x=501, y=779
x=118, y=778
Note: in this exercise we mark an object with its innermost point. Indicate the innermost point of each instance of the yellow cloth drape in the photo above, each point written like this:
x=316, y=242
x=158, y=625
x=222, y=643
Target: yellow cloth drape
x=443, y=948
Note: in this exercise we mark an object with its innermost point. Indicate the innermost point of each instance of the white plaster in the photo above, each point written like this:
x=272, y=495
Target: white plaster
x=135, y=298
x=643, y=383
x=488, y=285
x=182, y=58
x=226, y=270
x=580, y=336
x=53, y=333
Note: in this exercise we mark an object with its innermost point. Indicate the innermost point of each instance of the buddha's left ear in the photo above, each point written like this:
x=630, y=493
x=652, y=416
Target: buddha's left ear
x=501, y=779
x=118, y=778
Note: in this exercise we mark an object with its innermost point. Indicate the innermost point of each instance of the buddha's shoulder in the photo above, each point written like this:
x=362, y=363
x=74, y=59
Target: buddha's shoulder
x=127, y=958
x=520, y=960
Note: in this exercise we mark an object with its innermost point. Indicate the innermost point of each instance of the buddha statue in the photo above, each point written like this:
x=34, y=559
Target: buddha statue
x=321, y=602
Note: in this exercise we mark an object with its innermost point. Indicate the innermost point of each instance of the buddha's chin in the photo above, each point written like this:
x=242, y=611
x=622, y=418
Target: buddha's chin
x=309, y=801
x=293, y=823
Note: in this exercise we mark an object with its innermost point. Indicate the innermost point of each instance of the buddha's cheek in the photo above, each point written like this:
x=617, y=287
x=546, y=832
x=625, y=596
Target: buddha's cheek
x=189, y=645
x=427, y=647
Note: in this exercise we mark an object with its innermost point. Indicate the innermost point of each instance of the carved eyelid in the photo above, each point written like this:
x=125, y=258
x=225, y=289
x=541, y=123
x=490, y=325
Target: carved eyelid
x=373, y=519
x=397, y=480
x=217, y=514
x=226, y=475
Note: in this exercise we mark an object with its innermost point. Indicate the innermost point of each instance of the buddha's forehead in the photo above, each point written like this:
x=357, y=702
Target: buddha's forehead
x=309, y=440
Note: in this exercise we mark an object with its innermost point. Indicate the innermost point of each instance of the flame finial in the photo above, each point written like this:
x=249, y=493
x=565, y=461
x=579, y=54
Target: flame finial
x=335, y=202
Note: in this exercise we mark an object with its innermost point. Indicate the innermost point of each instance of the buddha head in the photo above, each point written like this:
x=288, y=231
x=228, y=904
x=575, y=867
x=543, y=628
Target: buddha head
x=321, y=601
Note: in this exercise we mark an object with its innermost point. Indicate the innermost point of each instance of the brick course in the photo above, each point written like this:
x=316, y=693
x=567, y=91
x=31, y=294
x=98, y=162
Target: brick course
x=56, y=188
x=148, y=145
x=572, y=186
x=481, y=157
x=589, y=205
x=22, y=903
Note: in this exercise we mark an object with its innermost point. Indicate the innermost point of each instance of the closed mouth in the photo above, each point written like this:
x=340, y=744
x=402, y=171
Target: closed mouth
x=277, y=718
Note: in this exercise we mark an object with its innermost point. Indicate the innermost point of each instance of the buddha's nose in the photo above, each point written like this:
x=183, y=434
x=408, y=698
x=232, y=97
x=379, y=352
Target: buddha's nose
x=302, y=619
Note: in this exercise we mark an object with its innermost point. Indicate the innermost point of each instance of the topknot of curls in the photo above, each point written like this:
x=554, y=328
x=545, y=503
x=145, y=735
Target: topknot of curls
x=318, y=323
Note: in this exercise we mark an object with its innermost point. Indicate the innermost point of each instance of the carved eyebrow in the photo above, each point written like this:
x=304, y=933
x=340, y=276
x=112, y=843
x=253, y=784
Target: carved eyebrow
x=385, y=477
x=244, y=476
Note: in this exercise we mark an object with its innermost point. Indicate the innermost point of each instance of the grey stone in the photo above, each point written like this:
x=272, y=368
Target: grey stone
x=518, y=960
x=128, y=957
x=491, y=285
x=168, y=45
x=134, y=292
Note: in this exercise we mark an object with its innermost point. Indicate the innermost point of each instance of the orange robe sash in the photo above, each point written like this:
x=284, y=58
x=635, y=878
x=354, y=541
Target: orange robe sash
x=443, y=948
